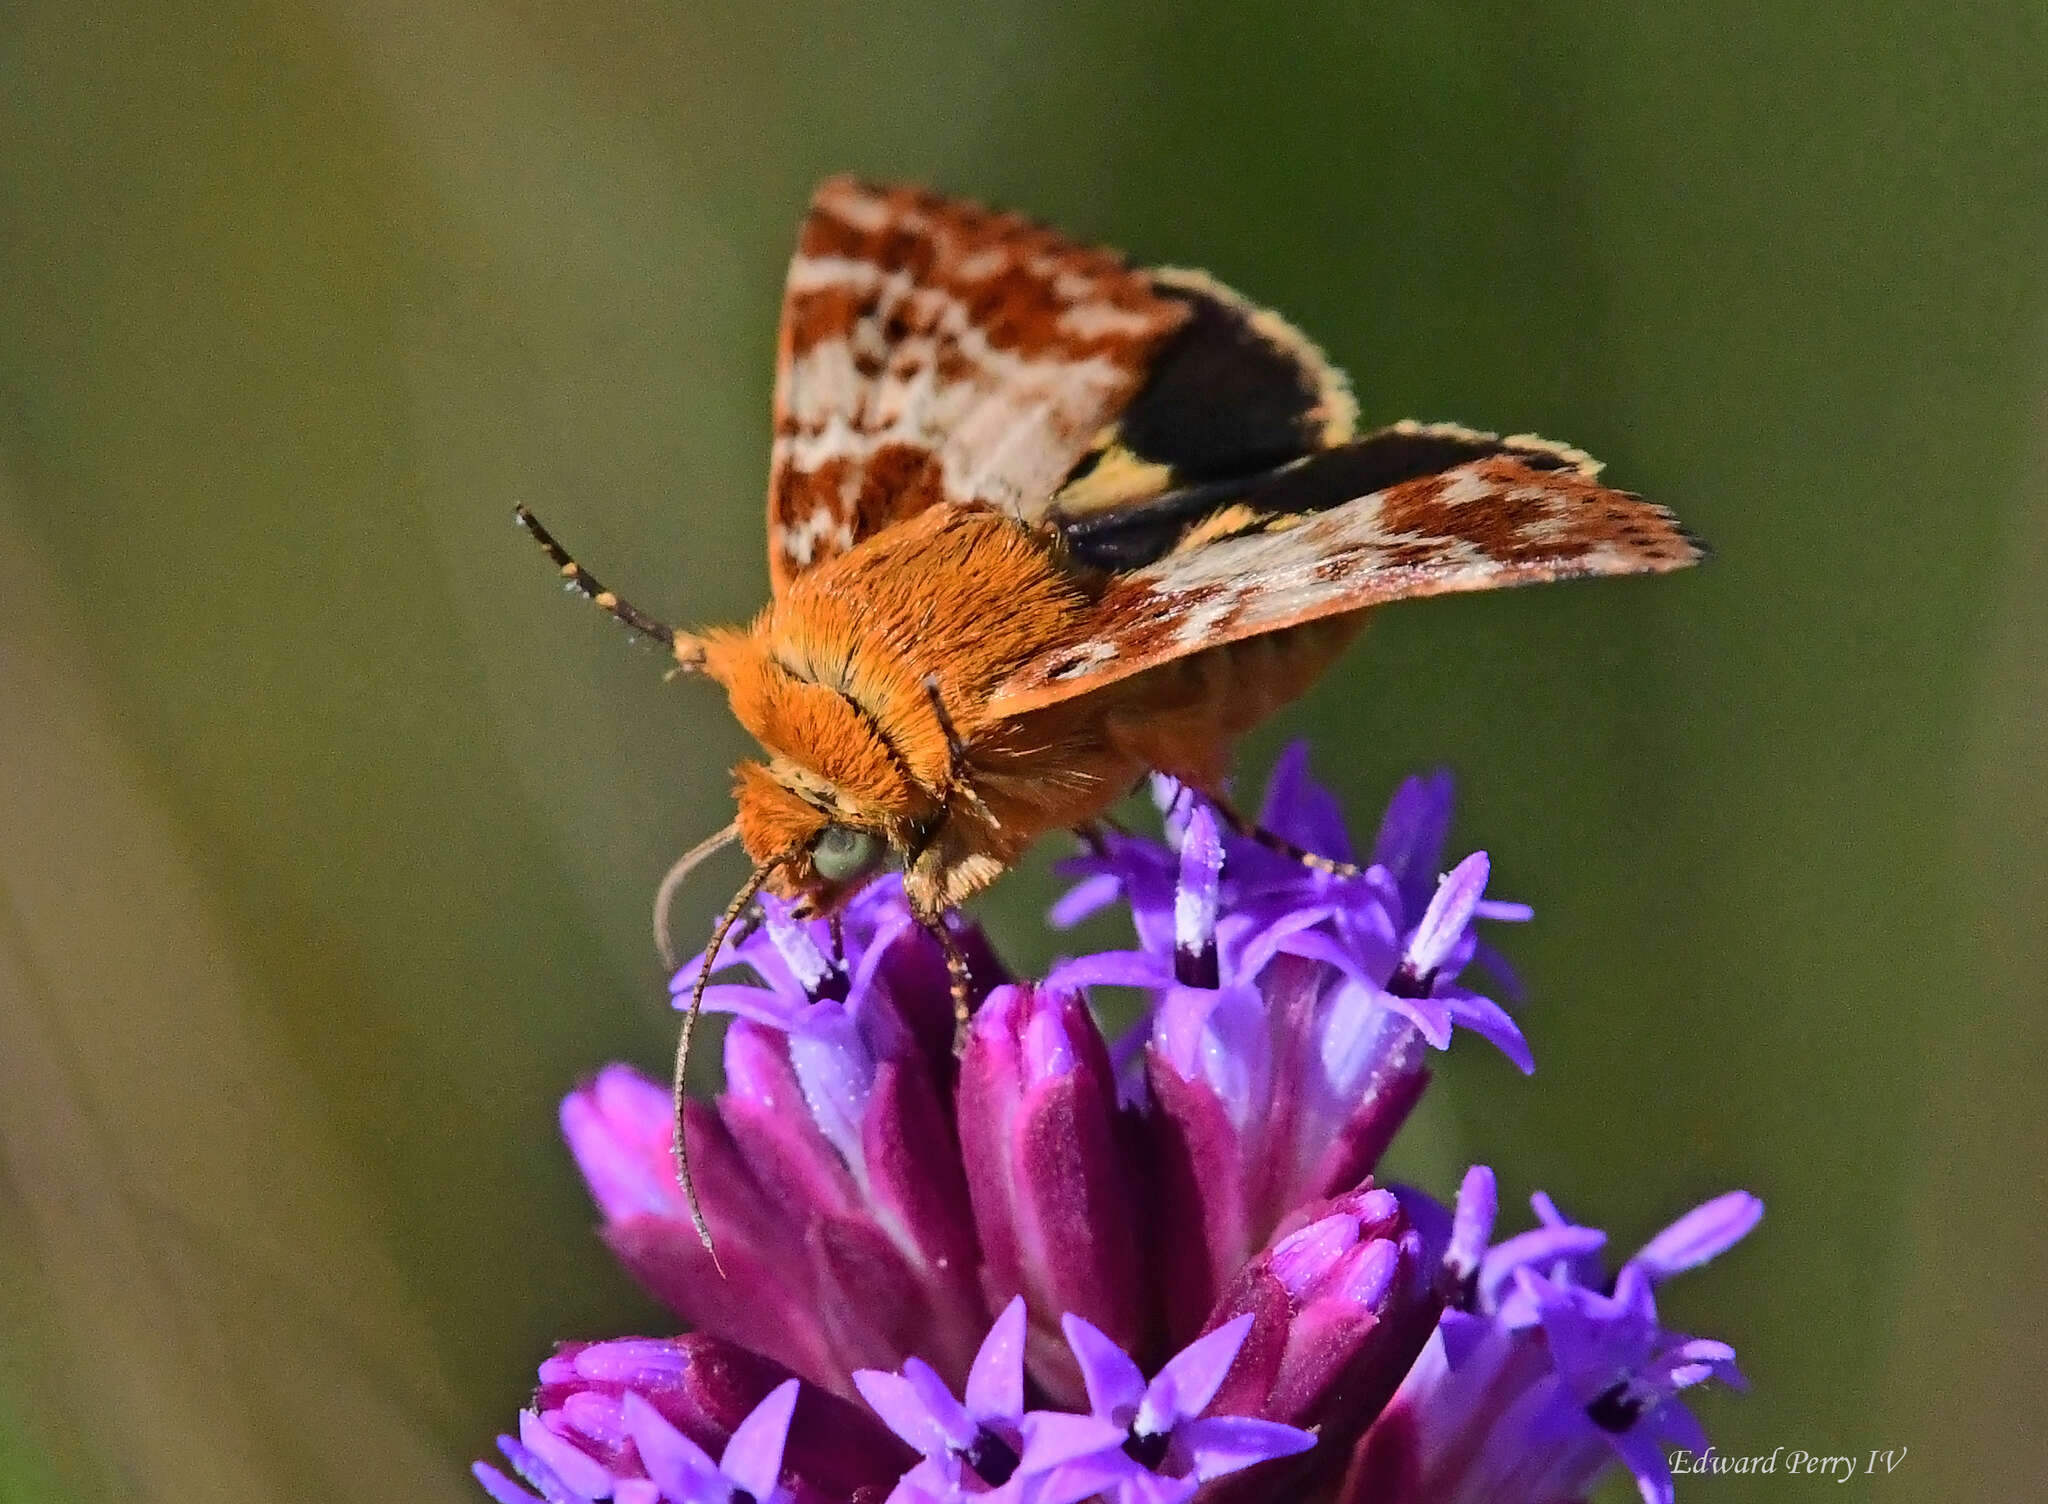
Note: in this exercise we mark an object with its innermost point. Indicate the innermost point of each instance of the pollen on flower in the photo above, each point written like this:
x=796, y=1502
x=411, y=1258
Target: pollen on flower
x=1070, y=1265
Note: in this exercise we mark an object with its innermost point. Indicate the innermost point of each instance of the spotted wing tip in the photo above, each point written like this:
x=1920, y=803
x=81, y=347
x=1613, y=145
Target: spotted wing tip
x=1701, y=549
x=1690, y=548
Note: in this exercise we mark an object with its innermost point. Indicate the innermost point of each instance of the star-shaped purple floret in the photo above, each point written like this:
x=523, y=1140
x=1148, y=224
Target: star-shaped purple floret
x=1565, y=1253
x=1201, y=972
x=1622, y=1372
x=1212, y=915
x=970, y=1445
x=1148, y=1443
x=682, y=1472
x=678, y=1470
x=1421, y=984
x=801, y=963
x=827, y=998
x=1609, y=1374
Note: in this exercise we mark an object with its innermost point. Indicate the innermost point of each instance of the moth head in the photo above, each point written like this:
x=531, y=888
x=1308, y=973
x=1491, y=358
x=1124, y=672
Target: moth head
x=821, y=855
x=837, y=796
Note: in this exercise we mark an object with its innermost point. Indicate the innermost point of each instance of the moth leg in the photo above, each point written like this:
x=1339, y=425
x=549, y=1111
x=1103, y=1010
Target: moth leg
x=956, y=760
x=958, y=973
x=1251, y=830
x=962, y=980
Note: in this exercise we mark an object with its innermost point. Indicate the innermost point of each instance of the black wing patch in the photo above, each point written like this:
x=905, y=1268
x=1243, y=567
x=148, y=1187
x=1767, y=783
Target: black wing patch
x=1143, y=532
x=1235, y=392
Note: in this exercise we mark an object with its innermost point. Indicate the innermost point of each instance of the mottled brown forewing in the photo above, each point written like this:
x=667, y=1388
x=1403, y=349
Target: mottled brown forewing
x=1482, y=525
x=933, y=351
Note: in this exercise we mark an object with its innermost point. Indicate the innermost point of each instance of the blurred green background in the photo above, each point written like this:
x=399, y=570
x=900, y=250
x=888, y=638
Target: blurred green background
x=328, y=826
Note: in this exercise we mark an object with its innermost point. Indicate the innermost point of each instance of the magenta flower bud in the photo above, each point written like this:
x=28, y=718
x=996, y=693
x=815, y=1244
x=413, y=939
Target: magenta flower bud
x=885, y=1256
x=1044, y=1143
x=619, y=1129
x=913, y=970
x=879, y=1237
x=1339, y=1308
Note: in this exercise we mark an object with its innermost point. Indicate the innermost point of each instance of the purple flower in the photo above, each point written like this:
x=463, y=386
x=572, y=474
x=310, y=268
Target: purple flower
x=875, y=963
x=1150, y=1443
x=639, y=1419
x=680, y=1470
x=972, y=1264
x=1291, y=1008
x=1541, y=1380
x=969, y=1445
x=820, y=1189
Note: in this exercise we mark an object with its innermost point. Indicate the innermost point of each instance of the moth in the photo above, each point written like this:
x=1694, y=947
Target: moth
x=1042, y=521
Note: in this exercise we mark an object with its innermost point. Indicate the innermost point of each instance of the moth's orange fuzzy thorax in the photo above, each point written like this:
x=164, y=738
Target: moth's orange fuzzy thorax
x=868, y=678
x=958, y=594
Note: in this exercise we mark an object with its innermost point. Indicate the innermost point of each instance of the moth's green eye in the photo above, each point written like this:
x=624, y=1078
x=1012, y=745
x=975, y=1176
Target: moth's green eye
x=843, y=854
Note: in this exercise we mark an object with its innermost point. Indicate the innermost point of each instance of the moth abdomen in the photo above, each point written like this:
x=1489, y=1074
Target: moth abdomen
x=1185, y=716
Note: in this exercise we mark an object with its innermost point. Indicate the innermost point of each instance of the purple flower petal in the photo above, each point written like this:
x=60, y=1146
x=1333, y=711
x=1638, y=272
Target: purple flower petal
x=640, y=1362
x=539, y=1474
x=1676, y=1424
x=938, y=1402
x=1183, y=1388
x=679, y=1467
x=594, y=1417
x=1048, y=1048
x=1302, y=1259
x=1109, y=968
x=1364, y=1275
x=498, y=1486
x=620, y=1129
x=577, y=1469
x=1701, y=1234
x=904, y=1411
x=1644, y=1455
x=1542, y=1245
x=1471, y=1224
x=1115, y=1386
x=753, y=1458
x=1302, y=810
x=1101, y=1472
x=1410, y=843
x=1448, y=916
x=1486, y=1018
x=1083, y=899
x=995, y=1385
x=1053, y=1438
x=1223, y=1444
